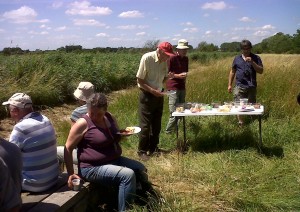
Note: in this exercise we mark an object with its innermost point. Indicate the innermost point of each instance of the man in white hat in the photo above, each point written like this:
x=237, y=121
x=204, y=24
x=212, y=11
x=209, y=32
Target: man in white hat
x=83, y=93
x=34, y=134
x=178, y=65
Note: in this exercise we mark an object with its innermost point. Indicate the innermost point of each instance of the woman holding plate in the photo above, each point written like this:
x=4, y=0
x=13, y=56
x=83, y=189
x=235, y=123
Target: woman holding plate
x=99, y=154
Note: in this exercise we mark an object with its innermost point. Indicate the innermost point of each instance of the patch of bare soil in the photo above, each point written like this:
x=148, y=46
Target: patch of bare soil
x=55, y=114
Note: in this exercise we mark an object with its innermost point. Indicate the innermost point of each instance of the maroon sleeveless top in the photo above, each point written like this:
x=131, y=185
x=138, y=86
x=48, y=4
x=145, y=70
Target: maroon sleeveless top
x=99, y=146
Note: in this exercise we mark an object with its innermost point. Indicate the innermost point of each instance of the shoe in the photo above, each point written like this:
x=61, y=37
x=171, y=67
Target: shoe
x=143, y=156
x=241, y=124
x=168, y=132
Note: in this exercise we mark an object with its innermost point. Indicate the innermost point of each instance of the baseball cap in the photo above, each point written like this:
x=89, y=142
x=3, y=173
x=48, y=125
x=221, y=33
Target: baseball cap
x=84, y=91
x=167, y=48
x=20, y=100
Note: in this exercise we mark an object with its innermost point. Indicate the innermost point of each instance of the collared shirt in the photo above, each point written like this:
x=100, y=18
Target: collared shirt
x=152, y=71
x=35, y=136
x=177, y=64
x=245, y=73
x=78, y=113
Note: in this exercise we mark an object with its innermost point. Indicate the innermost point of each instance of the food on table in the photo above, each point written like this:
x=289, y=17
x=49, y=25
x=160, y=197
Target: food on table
x=179, y=109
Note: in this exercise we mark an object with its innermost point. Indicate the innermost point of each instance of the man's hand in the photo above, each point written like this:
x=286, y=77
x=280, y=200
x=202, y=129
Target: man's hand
x=229, y=88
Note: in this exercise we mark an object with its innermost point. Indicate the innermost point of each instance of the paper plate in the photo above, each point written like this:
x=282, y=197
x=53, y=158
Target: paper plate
x=124, y=132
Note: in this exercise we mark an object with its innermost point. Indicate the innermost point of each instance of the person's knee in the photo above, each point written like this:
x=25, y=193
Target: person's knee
x=128, y=174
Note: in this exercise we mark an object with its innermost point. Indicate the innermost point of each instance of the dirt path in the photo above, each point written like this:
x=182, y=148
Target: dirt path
x=54, y=114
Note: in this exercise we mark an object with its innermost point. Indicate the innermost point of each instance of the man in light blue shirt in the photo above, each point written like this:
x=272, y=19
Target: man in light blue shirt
x=36, y=138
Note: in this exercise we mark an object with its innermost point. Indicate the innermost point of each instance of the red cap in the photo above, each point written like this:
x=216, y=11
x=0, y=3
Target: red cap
x=167, y=48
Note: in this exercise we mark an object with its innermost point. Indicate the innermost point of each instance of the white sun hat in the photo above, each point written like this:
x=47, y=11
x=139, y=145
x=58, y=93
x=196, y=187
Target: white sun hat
x=84, y=91
x=182, y=44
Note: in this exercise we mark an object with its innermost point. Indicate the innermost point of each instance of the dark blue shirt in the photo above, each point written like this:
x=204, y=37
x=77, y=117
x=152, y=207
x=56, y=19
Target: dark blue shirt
x=245, y=74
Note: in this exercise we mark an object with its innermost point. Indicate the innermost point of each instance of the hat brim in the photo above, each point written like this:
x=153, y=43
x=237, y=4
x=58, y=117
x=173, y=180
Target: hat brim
x=169, y=53
x=182, y=47
x=6, y=103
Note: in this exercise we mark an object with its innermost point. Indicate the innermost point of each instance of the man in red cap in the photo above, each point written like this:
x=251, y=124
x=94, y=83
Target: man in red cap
x=151, y=77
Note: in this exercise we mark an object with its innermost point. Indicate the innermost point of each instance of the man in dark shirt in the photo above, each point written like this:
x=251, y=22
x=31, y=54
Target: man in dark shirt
x=178, y=65
x=244, y=69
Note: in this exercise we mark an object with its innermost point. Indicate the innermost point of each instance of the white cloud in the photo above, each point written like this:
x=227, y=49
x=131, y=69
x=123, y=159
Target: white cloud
x=57, y=4
x=191, y=30
x=62, y=28
x=131, y=14
x=22, y=15
x=242, y=29
x=214, y=6
x=38, y=33
x=236, y=38
x=208, y=32
x=187, y=24
x=102, y=35
x=126, y=27
x=141, y=33
x=84, y=8
x=87, y=22
x=266, y=27
x=246, y=19
x=261, y=33
x=206, y=15
x=129, y=27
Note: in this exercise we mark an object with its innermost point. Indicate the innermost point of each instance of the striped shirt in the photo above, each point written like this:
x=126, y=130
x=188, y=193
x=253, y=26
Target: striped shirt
x=78, y=113
x=35, y=136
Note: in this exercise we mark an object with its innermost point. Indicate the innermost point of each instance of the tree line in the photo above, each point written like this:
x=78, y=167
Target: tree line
x=279, y=43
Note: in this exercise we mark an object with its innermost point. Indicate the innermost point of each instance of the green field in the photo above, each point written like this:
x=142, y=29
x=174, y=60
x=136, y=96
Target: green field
x=223, y=170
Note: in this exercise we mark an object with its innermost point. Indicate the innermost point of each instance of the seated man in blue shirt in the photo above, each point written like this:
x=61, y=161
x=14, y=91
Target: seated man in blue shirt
x=34, y=134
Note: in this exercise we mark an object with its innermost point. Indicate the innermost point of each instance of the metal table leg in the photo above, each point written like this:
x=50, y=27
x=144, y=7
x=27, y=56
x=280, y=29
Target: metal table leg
x=184, y=134
x=260, y=136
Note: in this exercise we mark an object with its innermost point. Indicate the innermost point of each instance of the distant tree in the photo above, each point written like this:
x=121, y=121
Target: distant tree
x=13, y=50
x=279, y=43
x=230, y=47
x=296, y=42
x=151, y=44
x=205, y=47
x=73, y=48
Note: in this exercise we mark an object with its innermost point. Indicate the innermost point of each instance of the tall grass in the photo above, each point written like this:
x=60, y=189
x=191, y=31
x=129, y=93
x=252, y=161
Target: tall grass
x=224, y=169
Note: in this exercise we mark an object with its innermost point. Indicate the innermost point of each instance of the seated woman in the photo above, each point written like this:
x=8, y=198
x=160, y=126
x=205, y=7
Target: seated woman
x=99, y=153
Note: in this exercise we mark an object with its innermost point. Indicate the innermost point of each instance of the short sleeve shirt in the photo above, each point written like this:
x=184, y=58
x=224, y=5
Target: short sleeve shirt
x=177, y=64
x=245, y=73
x=151, y=70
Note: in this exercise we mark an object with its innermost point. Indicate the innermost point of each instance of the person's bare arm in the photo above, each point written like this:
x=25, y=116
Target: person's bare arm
x=230, y=79
x=259, y=69
x=75, y=136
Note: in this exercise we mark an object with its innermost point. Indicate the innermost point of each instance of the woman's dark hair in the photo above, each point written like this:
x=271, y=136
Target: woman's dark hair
x=245, y=43
x=99, y=100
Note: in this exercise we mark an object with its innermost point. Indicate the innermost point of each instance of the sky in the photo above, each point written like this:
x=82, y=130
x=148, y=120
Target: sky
x=51, y=24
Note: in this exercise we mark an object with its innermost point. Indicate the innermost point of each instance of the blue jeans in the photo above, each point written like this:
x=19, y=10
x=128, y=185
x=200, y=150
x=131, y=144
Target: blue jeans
x=178, y=97
x=119, y=173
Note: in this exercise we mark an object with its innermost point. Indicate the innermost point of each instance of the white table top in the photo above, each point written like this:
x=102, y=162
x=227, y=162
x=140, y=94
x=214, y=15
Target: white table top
x=216, y=112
